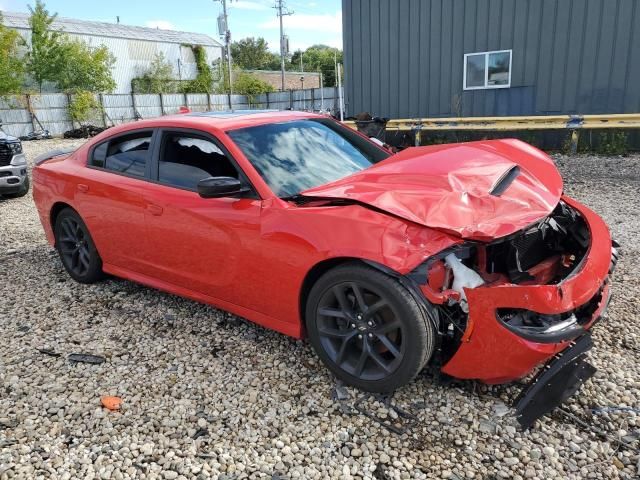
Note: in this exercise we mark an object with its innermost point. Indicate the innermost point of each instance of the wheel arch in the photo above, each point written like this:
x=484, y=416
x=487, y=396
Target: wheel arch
x=56, y=208
x=323, y=267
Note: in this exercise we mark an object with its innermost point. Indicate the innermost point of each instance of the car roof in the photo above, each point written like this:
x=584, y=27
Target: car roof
x=224, y=120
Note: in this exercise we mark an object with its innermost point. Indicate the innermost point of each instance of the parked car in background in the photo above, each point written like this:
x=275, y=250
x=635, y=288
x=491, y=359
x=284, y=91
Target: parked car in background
x=465, y=256
x=14, y=178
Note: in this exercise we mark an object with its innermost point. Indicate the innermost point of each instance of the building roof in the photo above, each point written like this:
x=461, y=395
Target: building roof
x=114, y=30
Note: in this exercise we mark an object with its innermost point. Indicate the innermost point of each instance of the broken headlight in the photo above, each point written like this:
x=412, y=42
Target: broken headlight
x=538, y=327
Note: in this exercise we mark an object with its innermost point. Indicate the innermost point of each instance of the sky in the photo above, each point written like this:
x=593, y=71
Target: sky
x=313, y=21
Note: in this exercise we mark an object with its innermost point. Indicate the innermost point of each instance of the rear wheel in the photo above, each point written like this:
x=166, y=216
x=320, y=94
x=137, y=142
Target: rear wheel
x=368, y=328
x=76, y=248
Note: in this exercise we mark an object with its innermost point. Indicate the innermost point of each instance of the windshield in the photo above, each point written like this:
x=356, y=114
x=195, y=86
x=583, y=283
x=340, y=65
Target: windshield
x=302, y=154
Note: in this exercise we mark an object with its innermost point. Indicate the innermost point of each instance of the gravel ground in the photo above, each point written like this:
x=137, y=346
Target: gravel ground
x=209, y=395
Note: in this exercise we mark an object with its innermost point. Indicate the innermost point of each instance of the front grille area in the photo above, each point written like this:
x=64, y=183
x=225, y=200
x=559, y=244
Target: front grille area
x=6, y=154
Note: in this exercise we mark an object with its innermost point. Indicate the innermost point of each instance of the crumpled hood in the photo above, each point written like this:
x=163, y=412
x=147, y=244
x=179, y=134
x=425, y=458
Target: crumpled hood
x=449, y=187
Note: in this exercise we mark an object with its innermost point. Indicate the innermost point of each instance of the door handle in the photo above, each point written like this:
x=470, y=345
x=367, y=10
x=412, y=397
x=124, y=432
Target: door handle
x=155, y=209
x=83, y=188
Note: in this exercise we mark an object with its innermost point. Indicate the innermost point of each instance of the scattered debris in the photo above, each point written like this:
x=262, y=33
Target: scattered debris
x=86, y=358
x=202, y=432
x=111, y=403
x=49, y=352
x=404, y=420
x=500, y=409
x=85, y=131
x=340, y=394
x=614, y=409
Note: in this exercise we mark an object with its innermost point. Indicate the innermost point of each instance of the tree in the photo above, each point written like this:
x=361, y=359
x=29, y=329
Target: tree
x=247, y=84
x=319, y=58
x=11, y=66
x=85, y=68
x=45, y=59
x=253, y=54
x=157, y=78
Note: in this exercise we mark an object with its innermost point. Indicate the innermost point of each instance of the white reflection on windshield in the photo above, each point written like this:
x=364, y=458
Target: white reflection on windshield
x=295, y=156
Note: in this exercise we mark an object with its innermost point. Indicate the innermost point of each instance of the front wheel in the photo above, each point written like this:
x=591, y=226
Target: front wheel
x=76, y=248
x=368, y=328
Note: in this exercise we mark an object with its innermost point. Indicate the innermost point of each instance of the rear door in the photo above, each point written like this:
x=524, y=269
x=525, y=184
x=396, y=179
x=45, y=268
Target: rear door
x=110, y=200
x=207, y=245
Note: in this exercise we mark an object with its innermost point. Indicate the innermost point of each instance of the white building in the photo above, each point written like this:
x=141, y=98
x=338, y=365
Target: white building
x=133, y=47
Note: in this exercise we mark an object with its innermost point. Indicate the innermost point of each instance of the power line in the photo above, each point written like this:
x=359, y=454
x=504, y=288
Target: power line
x=282, y=11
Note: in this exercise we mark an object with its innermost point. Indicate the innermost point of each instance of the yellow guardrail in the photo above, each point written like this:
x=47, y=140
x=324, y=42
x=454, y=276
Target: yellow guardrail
x=554, y=122
x=551, y=122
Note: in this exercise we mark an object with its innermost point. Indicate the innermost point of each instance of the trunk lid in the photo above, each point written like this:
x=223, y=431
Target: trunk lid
x=478, y=190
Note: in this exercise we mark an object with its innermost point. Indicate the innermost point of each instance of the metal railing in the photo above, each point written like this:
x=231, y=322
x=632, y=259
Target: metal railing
x=572, y=123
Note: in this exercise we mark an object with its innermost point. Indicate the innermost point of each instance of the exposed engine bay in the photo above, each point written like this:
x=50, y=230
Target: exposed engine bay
x=543, y=254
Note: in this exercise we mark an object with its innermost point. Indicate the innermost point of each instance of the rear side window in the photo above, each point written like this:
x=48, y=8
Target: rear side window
x=186, y=159
x=127, y=154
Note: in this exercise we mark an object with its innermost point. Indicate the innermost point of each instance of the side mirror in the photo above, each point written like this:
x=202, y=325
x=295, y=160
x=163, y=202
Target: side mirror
x=216, y=187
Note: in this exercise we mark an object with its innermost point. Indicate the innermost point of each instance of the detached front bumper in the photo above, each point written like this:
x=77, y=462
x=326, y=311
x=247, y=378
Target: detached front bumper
x=492, y=353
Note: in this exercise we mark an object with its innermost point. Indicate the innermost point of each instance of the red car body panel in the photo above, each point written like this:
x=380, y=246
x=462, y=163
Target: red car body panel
x=252, y=256
x=448, y=187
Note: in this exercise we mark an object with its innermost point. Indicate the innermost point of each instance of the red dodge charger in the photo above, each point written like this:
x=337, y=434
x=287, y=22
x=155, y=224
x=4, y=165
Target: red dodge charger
x=465, y=256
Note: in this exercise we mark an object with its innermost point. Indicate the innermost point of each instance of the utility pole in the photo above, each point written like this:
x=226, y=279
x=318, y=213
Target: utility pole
x=227, y=42
x=282, y=11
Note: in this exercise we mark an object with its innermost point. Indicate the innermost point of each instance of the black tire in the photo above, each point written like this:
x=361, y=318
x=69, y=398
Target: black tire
x=25, y=189
x=375, y=318
x=75, y=246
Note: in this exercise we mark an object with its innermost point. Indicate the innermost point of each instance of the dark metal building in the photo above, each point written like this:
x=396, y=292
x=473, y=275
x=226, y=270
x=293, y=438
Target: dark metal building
x=431, y=58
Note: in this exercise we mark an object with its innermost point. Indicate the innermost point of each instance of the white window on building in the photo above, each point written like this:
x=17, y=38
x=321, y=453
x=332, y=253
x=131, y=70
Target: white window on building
x=487, y=70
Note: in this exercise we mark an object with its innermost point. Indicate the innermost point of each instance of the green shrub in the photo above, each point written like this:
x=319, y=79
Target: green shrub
x=84, y=107
x=612, y=142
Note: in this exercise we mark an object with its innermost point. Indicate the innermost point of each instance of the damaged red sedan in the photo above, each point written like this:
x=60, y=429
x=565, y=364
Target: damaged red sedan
x=465, y=256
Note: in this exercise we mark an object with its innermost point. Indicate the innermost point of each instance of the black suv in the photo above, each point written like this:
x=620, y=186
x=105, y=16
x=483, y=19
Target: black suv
x=14, y=179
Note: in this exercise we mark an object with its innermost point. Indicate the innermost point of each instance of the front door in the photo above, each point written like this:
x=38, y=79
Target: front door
x=201, y=244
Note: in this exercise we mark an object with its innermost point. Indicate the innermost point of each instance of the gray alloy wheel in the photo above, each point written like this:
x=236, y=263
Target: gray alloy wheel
x=368, y=328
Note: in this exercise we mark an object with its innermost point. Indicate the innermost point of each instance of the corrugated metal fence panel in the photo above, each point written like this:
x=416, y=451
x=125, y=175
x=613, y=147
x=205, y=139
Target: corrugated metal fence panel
x=173, y=102
x=14, y=116
x=198, y=102
x=280, y=100
x=219, y=102
x=51, y=110
x=405, y=58
x=148, y=106
x=118, y=108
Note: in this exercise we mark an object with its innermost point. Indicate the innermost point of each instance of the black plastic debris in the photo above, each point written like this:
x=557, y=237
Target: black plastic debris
x=83, y=132
x=49, y=352
x=555, y=383
x=86, y=358
x=405, y=421
x=340, y=394
x=202, y=432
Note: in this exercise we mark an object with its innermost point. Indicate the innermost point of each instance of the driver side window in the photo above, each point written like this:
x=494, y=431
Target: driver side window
x=186, y=159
